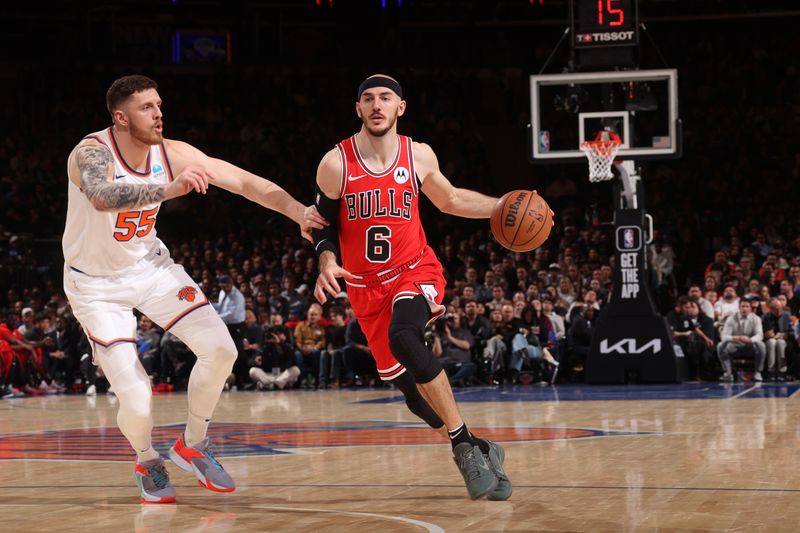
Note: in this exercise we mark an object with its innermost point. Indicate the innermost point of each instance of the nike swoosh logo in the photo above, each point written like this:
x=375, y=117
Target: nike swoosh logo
x=354, y=178
x=119, y=177
x=158, y=252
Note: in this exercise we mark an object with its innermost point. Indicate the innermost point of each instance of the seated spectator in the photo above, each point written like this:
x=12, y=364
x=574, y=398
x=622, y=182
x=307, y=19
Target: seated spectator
x=589, y=300
x=777, y=326
x=477, y=325
x=496, y=353
x=720, y=264
x=148, y=344
x=453, y=345
x=695, y=335
x=64, y=356
x=10, y=378
x=177, y=361
x=275, y=365
x=567, y=291
x=357, y=354
x=252, y=336
x=753, y=290
x=532, y=342
x=38, y=370
x=309, y=338
x=557, y=321
x=742, y=336
x=277, y=303
x=498, y=298
x=484, y=291
x=331, y=366
x=794, y=301
x=727, y=306
x=297, y=303
x=579, y=338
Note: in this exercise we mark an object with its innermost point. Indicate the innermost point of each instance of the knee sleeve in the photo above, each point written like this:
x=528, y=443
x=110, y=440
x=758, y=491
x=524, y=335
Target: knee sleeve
x=208, y=338
x=406, y=342
x=415, y=402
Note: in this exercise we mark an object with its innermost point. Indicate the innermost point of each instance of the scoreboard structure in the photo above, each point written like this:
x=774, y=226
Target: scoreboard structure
x=604, y=23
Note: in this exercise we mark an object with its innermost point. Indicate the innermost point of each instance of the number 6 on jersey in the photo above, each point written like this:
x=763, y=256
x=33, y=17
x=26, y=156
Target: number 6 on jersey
x=379, y=247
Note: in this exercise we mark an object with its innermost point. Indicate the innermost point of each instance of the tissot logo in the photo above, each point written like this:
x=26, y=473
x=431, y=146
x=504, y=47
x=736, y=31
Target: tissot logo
x=608, y=36
x=630, y=346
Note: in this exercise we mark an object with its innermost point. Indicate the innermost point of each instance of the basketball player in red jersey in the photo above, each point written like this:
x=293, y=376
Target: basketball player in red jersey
x=368, y=188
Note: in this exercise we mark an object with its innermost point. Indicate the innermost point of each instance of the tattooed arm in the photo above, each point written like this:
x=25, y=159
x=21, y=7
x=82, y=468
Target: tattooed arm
x=92, y=166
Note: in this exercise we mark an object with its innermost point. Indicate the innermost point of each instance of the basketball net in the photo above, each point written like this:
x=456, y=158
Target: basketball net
x=601, y=152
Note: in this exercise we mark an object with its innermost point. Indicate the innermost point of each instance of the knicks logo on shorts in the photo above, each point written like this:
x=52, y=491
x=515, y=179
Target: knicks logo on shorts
x=187, y=293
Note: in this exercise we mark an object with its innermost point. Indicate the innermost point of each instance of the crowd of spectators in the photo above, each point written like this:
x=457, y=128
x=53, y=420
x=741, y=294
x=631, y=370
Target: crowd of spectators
x=725, y=263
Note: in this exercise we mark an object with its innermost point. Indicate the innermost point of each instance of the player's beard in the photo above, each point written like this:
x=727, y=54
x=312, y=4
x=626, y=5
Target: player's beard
x=376, y=132
x=146, y=136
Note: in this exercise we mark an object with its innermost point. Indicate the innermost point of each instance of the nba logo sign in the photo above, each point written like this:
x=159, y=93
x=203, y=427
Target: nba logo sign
x=629, y=238
x=544, y=141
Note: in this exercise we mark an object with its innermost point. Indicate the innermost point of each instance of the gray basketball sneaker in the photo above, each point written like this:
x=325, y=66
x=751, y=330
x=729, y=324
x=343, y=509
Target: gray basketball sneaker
x=152, y=479
x=478, y=475
x=495, y=458
x=200, y=460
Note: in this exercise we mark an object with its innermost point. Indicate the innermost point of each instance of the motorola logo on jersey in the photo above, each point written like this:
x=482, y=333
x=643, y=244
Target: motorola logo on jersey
x=401, y=175
x=369, y=204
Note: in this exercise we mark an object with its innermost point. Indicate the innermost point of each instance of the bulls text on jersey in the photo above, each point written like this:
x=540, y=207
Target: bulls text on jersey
x=369, y=204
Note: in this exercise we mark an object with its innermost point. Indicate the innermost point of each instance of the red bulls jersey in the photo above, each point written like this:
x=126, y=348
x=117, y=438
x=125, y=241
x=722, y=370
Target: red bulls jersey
x=379, y=225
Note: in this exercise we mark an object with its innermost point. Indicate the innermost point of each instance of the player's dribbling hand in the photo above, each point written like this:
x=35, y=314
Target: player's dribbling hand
x=193, y=177
x=311, y=219
x=326, y=281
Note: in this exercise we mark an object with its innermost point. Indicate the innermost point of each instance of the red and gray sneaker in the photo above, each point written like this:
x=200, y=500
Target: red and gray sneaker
x=200, y=460
x=152, y=479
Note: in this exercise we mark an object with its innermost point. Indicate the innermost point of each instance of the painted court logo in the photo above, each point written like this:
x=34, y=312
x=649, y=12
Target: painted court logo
x=243, y=440
x=187, y=293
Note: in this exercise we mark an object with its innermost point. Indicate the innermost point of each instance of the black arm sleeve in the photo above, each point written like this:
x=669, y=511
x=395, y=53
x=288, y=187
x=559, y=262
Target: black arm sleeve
x=326, y=239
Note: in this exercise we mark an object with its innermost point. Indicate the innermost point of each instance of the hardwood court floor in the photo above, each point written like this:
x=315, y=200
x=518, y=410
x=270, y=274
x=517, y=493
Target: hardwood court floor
x=660, y=458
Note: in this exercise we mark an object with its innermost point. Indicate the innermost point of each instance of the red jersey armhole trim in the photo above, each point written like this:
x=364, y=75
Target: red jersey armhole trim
x=412, y=168
x=343, y=177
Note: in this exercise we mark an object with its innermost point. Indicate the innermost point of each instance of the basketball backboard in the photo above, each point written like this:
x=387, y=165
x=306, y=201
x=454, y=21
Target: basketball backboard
x=641, y=106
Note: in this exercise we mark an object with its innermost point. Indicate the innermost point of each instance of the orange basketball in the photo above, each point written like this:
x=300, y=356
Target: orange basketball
x=521, y=221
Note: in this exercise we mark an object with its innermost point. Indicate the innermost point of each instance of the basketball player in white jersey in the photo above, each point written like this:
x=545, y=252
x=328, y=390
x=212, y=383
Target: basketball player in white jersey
x=118, y=178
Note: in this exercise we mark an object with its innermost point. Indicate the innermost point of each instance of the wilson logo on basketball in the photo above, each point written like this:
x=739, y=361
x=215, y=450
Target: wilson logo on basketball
x=513, y=209
x=187, y=293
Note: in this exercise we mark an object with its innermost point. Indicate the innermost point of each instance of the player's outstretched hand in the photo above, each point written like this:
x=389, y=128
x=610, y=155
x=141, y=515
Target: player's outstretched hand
x=193, y=177
x=311, y=219
x=326, y=281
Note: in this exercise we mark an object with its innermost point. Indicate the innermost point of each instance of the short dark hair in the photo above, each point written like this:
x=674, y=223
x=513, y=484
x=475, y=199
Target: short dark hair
x=124, y=87
x=337, y=310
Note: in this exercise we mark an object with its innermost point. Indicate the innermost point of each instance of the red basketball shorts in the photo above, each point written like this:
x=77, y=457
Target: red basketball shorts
x=373, y=304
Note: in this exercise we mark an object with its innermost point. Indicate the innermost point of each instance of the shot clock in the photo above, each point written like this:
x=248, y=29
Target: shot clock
x=603, y=23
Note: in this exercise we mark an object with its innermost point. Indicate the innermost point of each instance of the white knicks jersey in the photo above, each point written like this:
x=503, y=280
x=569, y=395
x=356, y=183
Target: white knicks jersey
x=110, y=243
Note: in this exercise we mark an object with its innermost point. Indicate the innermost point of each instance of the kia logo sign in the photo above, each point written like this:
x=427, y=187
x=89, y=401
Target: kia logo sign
x=629, y=346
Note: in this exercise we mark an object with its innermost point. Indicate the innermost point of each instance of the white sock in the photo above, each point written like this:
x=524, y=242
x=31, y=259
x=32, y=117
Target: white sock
x=149, y=454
